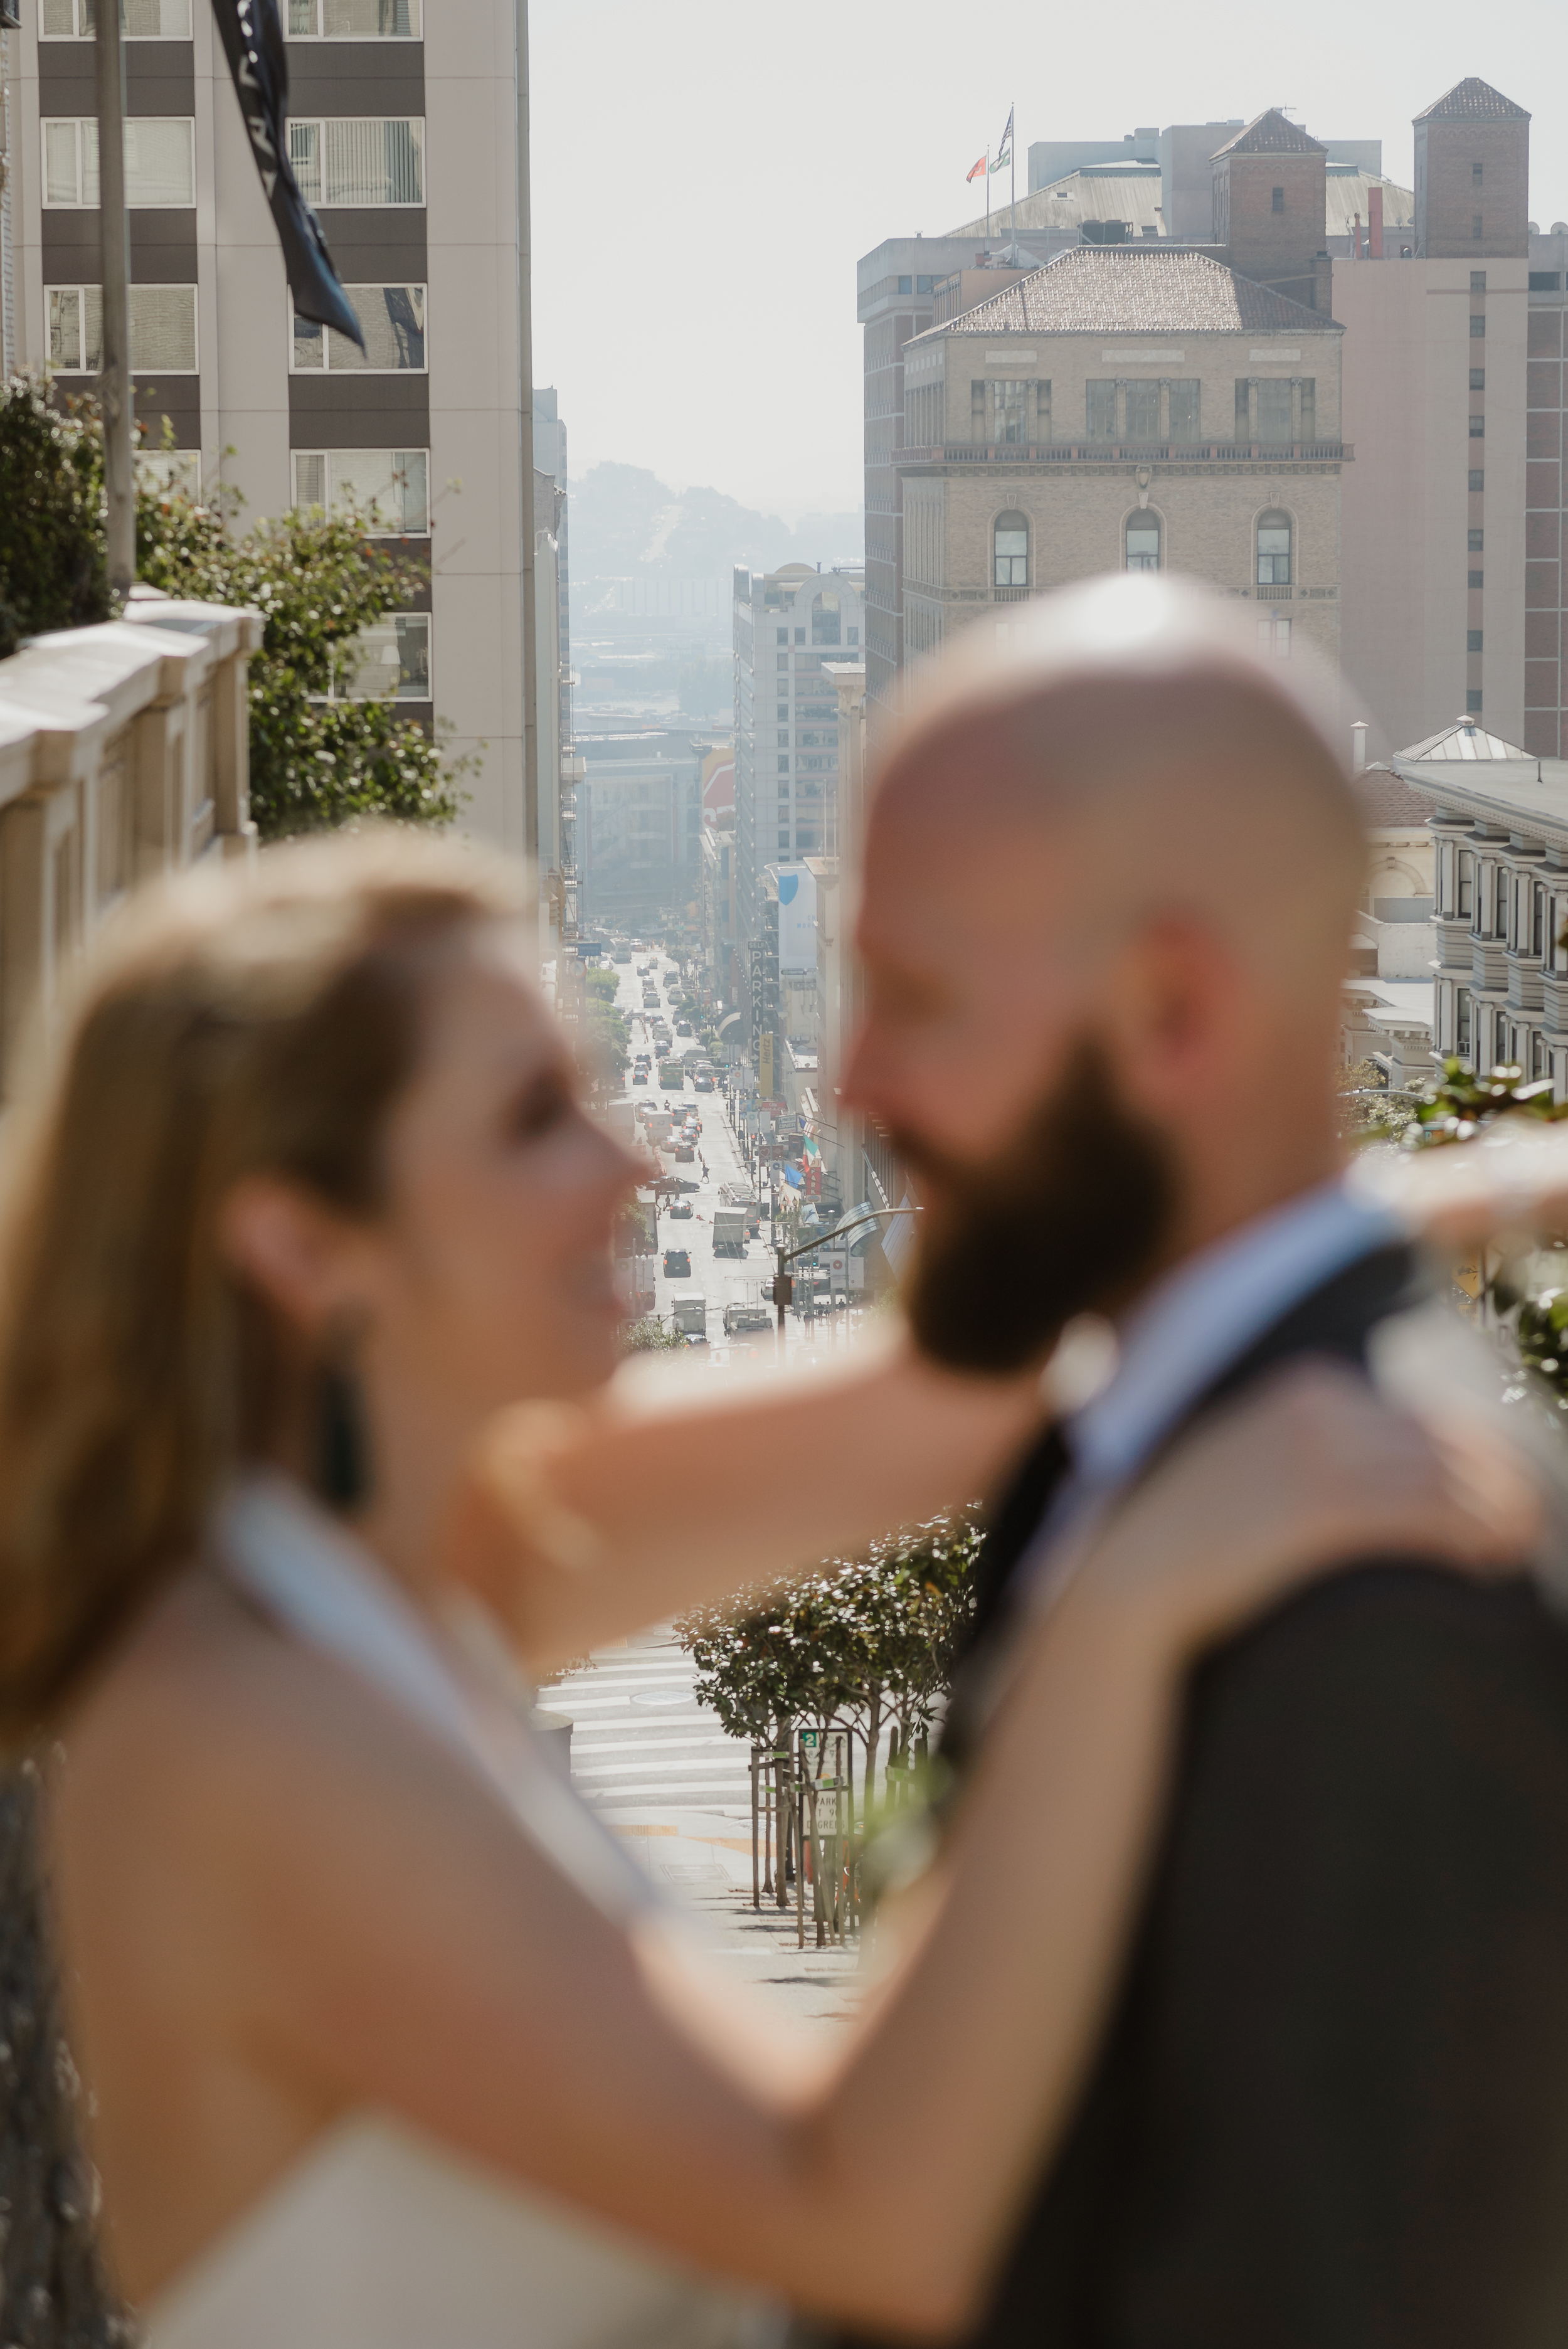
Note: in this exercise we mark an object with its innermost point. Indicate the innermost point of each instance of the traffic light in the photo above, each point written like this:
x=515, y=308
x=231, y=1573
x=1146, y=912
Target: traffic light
x=782, y=1289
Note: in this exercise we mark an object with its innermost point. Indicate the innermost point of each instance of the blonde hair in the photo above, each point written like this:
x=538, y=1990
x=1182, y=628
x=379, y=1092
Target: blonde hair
x=236, y=1021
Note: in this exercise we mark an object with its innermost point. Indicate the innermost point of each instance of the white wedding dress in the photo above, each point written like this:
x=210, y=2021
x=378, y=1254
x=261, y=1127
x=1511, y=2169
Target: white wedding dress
x=379, y=2237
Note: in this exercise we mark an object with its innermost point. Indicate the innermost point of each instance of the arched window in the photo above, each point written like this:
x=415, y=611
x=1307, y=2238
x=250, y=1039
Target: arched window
x=825, y=618
x=1274, y=550
x=1010, y=550
x=1143, y=542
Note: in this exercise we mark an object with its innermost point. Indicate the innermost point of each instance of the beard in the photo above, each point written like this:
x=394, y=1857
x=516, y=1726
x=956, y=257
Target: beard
x=1065, y=1220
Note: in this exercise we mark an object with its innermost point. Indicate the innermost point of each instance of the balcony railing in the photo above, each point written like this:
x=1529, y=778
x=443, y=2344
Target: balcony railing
x=1125, y=452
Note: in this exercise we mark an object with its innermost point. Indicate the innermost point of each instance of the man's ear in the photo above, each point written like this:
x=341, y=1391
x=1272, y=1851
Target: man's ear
x=289, y=1247
x=1172, y=1011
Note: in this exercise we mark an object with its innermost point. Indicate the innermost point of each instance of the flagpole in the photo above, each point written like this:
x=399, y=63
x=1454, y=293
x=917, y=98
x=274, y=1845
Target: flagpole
x=987, y=203
x=1013, y=167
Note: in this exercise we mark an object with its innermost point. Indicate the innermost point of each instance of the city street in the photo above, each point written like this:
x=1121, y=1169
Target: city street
x=723, y=1279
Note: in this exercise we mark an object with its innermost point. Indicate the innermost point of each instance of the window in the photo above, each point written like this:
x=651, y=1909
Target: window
x=162, y=329
x=1142, y=412
x=906, y=285
x=1274, y=637
x=1475, y=579
x=783, y=658
x=1472, y=640
x=1184, y=410
x=389, y=660
x=1478, y=325
x=1101, y=399
x=1465, y=906
x=356, y=20
x=1545, y=280
x=1477, y=478
x=1475, y=224
x=1473, y=702
x=1009, y=412
x=1477, y=541
x=1477, y=427
x=1499, y=917
x=854, y=636
x=393, y=319
x=1010, y=550
x=783, y=766
x=783, y=709
x=1478, y=281
x=1278, y=200
x=1538, y=1067
x=159, y=161
x=1475, y=175
x=359, y=160
x=1538, y=923
x=782, y=635
x=1462, y=1023
x=800, y=635
x=386, y=488
x=1478, y=379
x=170, y=468
x=1274, y=420
x=139, y=20
x=922, y=285
x=784, y=738
x=1143, y=543
x=826, y=626
x=1274, y=550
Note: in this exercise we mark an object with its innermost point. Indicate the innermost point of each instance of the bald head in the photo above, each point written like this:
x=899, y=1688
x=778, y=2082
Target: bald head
x=1117, y=841
x=1129, y=737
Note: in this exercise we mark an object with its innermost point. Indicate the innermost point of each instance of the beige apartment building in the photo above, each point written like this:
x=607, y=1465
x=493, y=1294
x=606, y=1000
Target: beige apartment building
x=406, y=129
x=1133, y=406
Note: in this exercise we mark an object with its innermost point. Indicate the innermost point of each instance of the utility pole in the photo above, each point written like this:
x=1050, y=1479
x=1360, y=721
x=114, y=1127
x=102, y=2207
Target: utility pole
x=531, y=777
x=114, y=246
x=783, y=1282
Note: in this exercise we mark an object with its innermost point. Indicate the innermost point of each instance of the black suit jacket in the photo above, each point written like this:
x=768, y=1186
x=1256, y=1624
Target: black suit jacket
x=1330, y=2110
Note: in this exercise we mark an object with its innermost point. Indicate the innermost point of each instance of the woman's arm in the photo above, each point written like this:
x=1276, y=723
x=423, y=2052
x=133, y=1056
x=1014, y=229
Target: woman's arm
x=397, y=1944
x=579, y=1524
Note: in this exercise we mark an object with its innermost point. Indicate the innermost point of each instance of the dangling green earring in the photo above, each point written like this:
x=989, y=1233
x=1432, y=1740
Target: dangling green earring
x=341, y=1439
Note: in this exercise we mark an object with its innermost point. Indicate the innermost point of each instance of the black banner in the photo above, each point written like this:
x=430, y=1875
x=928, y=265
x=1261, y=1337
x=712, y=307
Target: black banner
x=252, y=37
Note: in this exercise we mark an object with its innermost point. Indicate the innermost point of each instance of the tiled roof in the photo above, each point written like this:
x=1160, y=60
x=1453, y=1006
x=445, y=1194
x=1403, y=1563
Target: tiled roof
x=1386, y=798
x=1270, y=134
x=1472, y=100
x=1136, y=289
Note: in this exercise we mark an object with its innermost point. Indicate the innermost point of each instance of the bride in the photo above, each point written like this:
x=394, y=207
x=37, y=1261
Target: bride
x=386, y=2044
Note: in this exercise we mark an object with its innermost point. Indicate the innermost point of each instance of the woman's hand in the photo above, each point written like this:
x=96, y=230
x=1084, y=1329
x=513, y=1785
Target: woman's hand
x=1310, y=1474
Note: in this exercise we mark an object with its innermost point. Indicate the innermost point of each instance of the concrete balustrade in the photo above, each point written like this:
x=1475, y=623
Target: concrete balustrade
x=123, y=754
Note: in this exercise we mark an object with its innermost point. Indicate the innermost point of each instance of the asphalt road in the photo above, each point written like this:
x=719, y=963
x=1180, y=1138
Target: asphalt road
x=727, y=1279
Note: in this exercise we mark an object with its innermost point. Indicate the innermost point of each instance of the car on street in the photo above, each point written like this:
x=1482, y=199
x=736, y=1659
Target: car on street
x=622, y=954
x=685, y=1153
x=678, y=1209
x=677, y=1264
x=639, y=1076
x=683, y=1027
x=701, y=1085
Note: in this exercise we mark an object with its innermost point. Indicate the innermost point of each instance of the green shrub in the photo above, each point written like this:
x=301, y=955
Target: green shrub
x=53, y=569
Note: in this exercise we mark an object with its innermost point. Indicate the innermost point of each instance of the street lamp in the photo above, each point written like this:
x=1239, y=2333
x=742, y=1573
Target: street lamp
x=783, y=1282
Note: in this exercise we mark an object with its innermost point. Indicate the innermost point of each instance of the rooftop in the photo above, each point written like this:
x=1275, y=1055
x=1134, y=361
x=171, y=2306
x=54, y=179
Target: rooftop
x=1384, y=797
x=1472, y=100
x=1140, y=289
x=1270, y=134
x=1130, y=194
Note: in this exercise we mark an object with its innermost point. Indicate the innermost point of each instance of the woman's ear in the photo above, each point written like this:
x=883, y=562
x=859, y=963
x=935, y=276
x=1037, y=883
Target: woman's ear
x=289, y=1247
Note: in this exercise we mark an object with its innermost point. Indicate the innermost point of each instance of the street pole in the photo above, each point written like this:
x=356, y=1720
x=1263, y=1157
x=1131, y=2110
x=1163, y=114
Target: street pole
x=113, y=252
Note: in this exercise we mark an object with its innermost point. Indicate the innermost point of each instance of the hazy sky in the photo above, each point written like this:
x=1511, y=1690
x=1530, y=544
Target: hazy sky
x=706, y=176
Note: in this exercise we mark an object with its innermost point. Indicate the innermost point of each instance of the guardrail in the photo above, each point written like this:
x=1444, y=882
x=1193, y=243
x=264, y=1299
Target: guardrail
x=124, y=752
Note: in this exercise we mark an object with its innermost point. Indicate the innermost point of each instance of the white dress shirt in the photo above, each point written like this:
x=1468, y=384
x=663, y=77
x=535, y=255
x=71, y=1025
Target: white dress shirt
x=1189, y=1329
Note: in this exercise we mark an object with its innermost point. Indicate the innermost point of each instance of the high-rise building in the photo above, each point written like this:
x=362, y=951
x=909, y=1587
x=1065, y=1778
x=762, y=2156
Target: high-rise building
x=787, y=623
x=1151, y=187
x=405, y=135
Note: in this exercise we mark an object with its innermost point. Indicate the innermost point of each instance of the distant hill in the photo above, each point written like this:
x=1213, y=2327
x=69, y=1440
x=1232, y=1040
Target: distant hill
x=628, y=524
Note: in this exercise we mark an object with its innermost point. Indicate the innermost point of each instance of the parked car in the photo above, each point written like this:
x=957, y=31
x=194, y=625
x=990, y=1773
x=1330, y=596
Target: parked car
x=677, y=1264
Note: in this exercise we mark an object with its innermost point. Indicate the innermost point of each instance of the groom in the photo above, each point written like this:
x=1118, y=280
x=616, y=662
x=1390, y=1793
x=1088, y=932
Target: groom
x=1109, y=874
